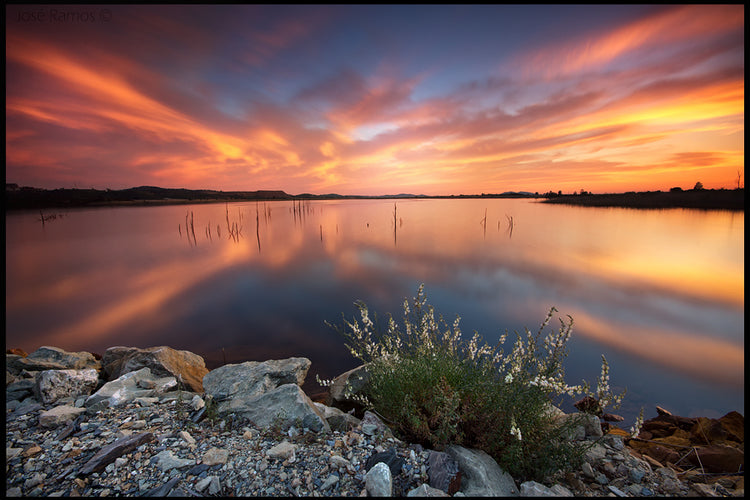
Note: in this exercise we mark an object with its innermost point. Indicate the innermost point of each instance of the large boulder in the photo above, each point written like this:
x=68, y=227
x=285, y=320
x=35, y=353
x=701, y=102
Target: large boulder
x=187, y=367
x=141, y=383
x=481, y=475
x=52, y=358
x=253, y=378
x=285, y=406
x=51, y=385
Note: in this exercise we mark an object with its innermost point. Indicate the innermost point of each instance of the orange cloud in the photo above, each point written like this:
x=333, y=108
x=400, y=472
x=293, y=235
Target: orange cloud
x=671, y=25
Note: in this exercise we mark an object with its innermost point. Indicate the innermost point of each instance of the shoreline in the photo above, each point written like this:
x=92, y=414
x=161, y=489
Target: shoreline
x=85, y=425
x=37, y=199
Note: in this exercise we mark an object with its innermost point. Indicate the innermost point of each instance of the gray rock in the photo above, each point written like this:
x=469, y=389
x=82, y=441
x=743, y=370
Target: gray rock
x=52, y=385
x=481, y=476
x=592, y=425
x=373, y=426
x=444, y=472
x=186, y=367
x=617, y=491
x=337, y=419
x=329, y=482
x=378, y=481
x=534, y=489
x=127, y=388
x=254, y=378
x=282, y=451
x=588, y=471
x=59, y=415
x=286, y=406
x=426, y=491
x=167, y=461
x=595, y=453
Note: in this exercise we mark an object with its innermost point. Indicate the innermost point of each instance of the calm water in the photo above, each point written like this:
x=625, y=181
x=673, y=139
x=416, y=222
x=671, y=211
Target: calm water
x=659, y=293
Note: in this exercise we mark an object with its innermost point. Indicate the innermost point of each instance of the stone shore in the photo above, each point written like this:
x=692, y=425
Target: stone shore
x=154, y=423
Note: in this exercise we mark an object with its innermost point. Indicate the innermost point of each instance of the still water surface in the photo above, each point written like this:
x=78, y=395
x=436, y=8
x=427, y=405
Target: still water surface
x=659, y=292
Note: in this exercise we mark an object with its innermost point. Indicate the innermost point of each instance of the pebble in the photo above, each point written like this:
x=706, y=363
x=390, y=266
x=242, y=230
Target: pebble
x=205, y=458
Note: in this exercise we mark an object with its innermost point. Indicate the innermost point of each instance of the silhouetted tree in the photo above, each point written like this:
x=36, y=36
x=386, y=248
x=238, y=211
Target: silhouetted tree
x=698, y=186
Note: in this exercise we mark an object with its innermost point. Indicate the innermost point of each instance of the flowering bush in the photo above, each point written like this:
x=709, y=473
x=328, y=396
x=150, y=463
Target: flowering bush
x=435, y=388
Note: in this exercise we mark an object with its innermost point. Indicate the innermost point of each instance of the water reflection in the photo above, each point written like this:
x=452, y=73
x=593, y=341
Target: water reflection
x=660, y=291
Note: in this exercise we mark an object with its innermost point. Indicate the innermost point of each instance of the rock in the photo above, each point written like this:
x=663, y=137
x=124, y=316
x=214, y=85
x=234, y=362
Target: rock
x=611, y=417
x=591, y=425
x=427, y=491
x=109, y=453
x=617, y=491
x=373, y=426
x=339, y=462
x=481, y=476
x=719, y=458
x=52, y=385
x=662, y=411
x=166, y=461
x=595, y=452
x=187, y=438
x=378, y=481
x=17, y=352
x=282, y=451
x=534, y=489
x=734, y=425
x=254, y=378
x=704, y=490
x=337, y=419
x=163, y=490
x=197, y=402
x=20, y=389
x=59, y=415
x=444, y=473
x=186, y=367
x=345, y=386
x=389, y=458
x=129, y=387
x=215, y=456
x=285, y=406
x=52, y=358
x=329, y=482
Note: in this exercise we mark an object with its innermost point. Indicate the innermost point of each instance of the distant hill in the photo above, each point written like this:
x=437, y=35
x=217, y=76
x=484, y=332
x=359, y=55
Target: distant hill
x=32, y=198
x=719, y=199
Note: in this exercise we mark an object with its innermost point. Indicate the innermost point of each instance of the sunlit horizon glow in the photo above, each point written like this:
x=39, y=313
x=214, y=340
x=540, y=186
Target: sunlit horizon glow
x=372, y=100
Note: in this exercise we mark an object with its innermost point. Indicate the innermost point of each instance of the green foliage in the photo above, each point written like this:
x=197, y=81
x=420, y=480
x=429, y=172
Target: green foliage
x=435, y=388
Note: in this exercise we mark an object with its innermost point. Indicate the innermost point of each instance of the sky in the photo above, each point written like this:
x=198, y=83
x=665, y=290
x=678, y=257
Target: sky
x=378, y=99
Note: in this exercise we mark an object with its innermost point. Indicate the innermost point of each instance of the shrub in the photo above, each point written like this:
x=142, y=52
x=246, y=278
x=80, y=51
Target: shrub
x=435, y=388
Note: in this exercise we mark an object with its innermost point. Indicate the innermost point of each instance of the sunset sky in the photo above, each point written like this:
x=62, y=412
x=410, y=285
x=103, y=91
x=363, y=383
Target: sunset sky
x=376, y=99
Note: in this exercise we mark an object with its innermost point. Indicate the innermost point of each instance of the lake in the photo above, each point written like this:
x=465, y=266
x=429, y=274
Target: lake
x=660, y=293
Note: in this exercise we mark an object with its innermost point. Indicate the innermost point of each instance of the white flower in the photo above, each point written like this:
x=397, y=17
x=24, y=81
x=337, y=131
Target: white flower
x=514, y=430
x=509, y=378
